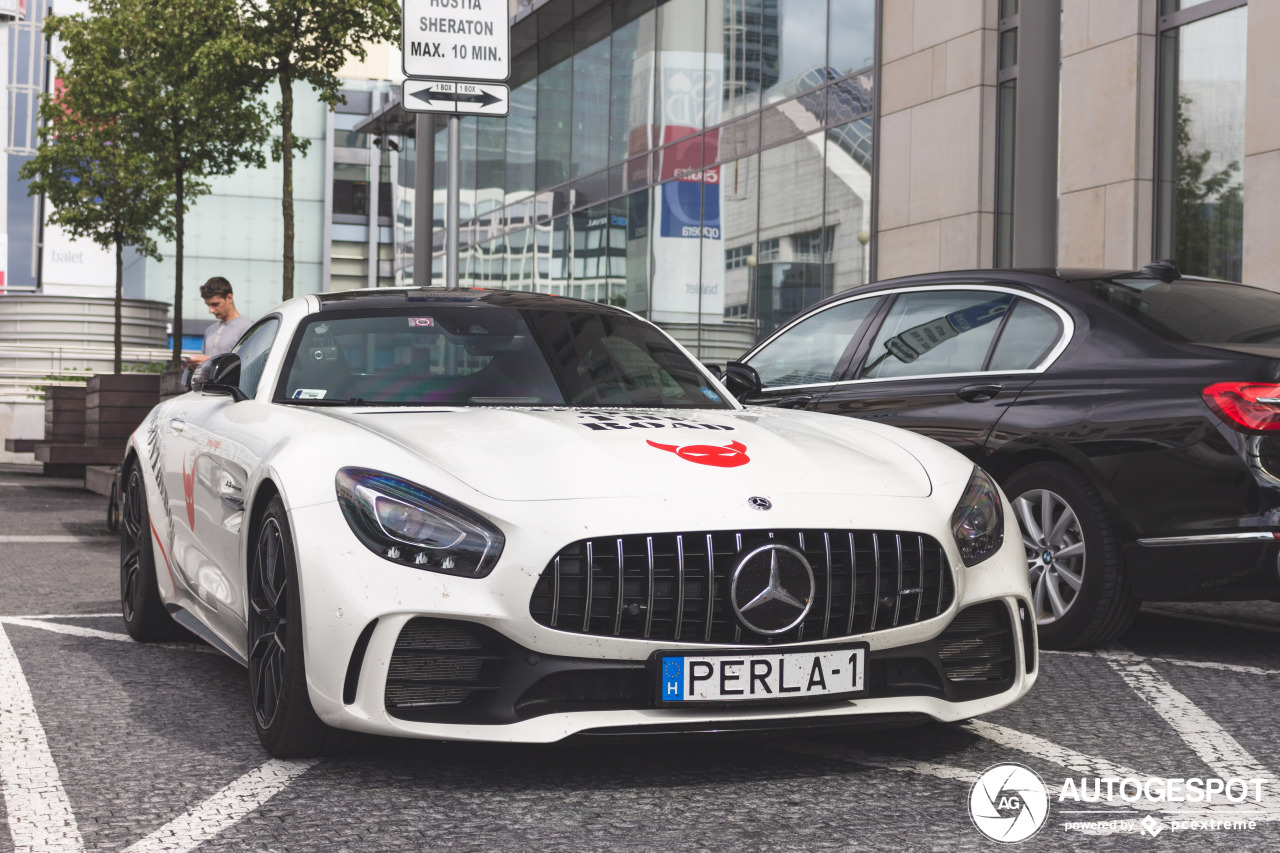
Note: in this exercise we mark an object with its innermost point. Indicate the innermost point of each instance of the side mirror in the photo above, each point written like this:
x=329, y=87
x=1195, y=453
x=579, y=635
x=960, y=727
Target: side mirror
x=219, y=374
x=715, y=370
x=742, y=380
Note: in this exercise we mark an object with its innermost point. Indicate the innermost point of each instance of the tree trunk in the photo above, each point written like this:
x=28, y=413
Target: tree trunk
x=119, y=335
x=286, y=148
x=177, y=270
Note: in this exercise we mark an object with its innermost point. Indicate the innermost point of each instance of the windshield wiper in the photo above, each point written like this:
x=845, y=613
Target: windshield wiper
x=350, y=401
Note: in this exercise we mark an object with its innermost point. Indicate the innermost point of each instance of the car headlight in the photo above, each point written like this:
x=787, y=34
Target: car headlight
x=977, y=523
x=407, y=524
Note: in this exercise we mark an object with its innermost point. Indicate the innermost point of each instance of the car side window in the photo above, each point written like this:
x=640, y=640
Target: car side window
x=1032, y=330
x=810, y=351
x=936, y=331
x=253, y=349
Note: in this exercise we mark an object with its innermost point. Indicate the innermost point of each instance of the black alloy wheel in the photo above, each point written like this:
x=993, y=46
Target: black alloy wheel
x=286, y=723
x=145, y=617
x=1080, y=594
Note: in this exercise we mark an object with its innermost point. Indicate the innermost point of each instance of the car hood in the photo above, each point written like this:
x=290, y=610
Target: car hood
x=566, y=454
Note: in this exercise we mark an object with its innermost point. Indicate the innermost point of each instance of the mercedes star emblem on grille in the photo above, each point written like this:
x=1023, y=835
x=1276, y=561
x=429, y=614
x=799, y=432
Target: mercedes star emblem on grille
x=771, y=589
x=758, y=502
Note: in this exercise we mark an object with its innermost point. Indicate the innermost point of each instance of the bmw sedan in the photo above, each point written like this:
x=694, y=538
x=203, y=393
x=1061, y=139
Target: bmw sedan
x=488, y=515
x=1131, y=417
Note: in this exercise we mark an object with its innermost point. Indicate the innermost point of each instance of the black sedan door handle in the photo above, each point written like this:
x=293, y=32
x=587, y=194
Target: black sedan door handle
x=799, y=401
x=978, y=393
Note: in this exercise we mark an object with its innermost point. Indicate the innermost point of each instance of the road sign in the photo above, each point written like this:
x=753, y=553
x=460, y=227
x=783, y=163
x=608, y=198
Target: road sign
x=457, y=39
x=451, y=96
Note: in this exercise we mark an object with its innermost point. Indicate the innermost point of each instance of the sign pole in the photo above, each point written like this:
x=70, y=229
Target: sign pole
x=449, y=50
x=451, y=215
x=424, y=199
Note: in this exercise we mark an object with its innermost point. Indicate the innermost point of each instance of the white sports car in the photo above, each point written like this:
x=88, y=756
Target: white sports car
x=490, y=515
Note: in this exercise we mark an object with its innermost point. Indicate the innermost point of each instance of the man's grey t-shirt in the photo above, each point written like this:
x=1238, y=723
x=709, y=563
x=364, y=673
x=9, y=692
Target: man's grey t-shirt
x=221, y=337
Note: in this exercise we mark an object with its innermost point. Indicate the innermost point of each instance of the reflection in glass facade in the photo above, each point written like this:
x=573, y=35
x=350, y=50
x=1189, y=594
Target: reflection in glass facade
x=704, y=163
x=1200, y=217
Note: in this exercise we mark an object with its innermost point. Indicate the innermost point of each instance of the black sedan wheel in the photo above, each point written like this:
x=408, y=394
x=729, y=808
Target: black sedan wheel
x=287, y=724
x=145, y=617
x=1078, y=588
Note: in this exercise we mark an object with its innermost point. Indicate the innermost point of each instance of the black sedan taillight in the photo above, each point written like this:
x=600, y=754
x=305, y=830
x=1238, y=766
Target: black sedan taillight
x=1246, y=406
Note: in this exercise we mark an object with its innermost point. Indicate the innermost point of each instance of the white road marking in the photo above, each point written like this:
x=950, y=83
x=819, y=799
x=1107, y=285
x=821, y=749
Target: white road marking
x=1216, y=748
x=57, y=628
x=55, y=540
x=1202, y=664
x=1035, y=745
x=78, y=631
x=40, y=816
x=224, y=809
x=64, y=616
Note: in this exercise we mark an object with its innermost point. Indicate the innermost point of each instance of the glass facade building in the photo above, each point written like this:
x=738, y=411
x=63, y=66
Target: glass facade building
x=704, y=163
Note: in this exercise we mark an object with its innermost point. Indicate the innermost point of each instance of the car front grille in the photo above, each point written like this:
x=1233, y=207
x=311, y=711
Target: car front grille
x=673, y=586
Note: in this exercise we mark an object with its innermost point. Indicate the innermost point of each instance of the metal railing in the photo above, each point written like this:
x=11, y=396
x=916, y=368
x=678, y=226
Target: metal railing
x=27, y=369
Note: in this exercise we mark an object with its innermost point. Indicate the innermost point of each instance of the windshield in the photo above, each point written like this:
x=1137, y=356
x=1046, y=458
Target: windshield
x=1202, y=312
x=485, y=355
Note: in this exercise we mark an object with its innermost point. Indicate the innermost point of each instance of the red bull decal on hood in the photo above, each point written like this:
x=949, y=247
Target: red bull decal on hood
x=730, y=455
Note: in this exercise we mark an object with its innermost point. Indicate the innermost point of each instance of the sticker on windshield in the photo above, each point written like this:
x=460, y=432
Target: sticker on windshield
x=730, y=455
x=711, y=395
x=309, y=394
x=417, y=322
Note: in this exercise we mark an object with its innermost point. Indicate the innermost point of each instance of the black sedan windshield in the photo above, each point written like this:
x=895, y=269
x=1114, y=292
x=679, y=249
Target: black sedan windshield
x=485, y=355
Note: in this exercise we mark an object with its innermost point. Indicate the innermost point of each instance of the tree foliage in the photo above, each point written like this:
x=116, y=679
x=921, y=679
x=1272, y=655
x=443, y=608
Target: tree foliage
x=309, y=41
x=1208, y=208
x=184, y=94
x=100, y=180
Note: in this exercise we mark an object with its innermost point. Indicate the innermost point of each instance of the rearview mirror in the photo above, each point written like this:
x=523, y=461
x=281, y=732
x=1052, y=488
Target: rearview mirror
x=219, y=374
x=742, y=380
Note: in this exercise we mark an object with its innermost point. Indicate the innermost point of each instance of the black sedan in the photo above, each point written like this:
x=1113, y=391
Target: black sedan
x=1132, y=418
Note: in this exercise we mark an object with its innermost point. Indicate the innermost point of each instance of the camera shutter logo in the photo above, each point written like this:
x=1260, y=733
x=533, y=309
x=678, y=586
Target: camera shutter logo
x=1009, y=803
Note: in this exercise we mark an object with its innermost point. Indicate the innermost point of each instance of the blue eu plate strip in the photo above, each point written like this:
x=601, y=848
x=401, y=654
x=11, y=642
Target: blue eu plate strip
x=672, y=679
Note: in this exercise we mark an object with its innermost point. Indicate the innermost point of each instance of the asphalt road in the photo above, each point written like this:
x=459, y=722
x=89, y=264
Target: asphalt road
x=106, y=744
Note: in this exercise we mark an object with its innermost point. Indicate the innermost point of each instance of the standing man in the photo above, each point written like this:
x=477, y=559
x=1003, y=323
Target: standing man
x=221, y=336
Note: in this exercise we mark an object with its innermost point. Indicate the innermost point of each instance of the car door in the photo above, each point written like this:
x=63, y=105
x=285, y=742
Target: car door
x=803, y=361
x=225, y=443
x=947, y=362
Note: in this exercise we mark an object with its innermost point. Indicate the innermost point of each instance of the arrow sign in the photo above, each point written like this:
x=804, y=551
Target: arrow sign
x=450, y=96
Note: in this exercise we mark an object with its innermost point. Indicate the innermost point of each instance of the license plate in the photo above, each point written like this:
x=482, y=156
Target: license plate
x=761, y=677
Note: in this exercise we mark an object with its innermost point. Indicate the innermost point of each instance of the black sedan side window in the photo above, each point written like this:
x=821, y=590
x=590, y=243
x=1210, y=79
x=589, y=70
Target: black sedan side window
x=935, y=332
x=1031, y=331
x=809, y=352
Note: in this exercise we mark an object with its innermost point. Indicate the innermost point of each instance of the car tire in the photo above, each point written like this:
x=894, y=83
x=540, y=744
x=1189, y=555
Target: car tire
x=145, y=617
x=286, y=723
x=1079, y=591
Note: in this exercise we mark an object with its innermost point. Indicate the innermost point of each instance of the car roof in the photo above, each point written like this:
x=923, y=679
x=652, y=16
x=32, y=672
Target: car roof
x=1072, y=283
x=390, y=298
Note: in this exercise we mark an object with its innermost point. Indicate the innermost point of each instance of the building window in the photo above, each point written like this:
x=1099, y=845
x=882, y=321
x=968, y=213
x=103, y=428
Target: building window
x=651, y=145
x=736, y=257
x=1200, y=187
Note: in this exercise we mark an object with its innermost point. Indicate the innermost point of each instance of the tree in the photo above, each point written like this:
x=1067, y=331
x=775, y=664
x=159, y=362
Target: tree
x=1208, y=207
x=101, y=182
x=309, y=41
x=183, y=93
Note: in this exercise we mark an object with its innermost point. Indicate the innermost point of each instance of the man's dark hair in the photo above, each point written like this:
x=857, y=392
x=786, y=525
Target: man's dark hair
x=216, y=286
